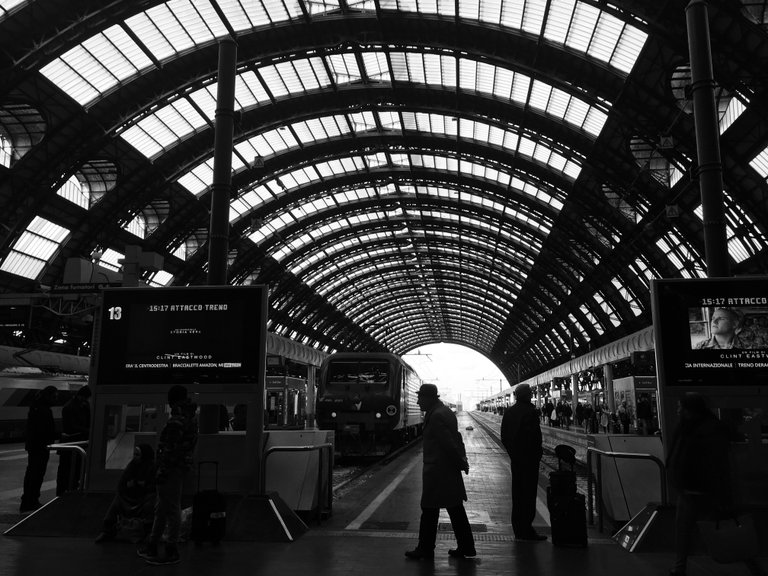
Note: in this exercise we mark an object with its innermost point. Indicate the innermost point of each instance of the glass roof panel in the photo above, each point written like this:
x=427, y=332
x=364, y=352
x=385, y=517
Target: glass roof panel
x=34, y=248
x=344, y=68
x=6, y=6
x=760, y=163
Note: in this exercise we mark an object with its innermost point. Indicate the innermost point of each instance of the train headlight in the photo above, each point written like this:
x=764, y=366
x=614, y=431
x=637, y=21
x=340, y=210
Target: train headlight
x=333, y=414
x=378, y=414
x=391, y=410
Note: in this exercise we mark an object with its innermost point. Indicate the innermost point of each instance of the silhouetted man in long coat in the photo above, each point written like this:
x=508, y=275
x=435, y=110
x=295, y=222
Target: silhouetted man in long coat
x=443, y=486
x=521, y=436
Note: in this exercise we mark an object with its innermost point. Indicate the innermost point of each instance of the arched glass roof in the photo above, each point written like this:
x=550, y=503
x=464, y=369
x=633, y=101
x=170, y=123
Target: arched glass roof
x=506, y=175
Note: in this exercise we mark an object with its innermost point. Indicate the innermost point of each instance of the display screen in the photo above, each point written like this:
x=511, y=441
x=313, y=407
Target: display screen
x=712, y=331
x=181, y=335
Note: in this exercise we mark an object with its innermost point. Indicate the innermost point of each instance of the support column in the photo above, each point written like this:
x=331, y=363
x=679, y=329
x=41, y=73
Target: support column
x=608, y=375
x=221, y=187
x=710, y=170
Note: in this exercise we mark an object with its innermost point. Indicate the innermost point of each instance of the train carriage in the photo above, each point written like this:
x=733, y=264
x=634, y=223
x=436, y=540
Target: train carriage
x=17, y=391
x=369, y=399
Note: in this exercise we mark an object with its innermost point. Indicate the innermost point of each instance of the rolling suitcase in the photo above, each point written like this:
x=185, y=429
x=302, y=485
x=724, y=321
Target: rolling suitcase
x=567, y=508
x=209, y=511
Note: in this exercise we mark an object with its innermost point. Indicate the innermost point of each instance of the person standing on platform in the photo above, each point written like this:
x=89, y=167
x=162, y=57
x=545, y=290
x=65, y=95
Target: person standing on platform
x=698, y=464
x=75, y=427
x=644, y=415
x=521, y=436
x=623, y=415
x=174, y=459
x=442, y=485
x=41, y=431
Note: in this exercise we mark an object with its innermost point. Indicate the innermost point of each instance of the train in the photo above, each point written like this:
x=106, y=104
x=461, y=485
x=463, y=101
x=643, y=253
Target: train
x=18, y=388
x=369, y=400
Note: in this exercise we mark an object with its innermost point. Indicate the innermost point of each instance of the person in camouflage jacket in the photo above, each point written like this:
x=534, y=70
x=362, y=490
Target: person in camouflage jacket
x=175, y=449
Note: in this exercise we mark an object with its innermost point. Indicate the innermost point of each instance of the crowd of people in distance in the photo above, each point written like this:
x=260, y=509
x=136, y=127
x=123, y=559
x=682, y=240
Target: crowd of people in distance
x=599, y=418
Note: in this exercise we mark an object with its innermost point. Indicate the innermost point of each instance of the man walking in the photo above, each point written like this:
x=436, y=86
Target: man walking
x=442, y=485
x=521, y=436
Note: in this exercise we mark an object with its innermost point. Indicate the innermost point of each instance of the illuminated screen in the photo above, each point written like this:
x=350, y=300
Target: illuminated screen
x=712, y=331
x=180, y=335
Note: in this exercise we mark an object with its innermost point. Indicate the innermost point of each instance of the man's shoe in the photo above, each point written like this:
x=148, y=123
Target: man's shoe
x=105, y=537
x=171, y=557
x=419, y=554
x=147, y=550
x=29, y=506
x=456, y=553
x=536, y=537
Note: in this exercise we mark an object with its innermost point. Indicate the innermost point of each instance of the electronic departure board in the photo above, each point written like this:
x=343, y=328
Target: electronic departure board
x=712, y=331
x=181, y=335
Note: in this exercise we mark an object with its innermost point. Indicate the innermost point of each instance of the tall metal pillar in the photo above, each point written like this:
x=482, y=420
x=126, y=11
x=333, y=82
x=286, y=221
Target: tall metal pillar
x=218, y=231
x=707, y=139
x=218, y=239
x=608, y=387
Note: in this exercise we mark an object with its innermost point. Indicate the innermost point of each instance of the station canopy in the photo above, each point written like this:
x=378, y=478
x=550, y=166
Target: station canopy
x=504, y=174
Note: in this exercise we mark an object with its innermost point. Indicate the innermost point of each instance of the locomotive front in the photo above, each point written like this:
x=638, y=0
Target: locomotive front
x=359, y=398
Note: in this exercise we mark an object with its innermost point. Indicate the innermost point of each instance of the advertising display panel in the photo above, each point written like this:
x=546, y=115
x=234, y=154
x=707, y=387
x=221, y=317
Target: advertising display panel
x=711, y=332
x=184, y=335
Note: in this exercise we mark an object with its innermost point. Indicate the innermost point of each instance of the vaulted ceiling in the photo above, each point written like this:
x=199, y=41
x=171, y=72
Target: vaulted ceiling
x=507, y=175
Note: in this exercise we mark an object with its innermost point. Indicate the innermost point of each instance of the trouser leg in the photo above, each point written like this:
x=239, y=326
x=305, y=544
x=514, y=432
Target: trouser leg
x=428, y=528
x=525, y=480
x=37, y=462
x=168, y=507
x=685, y=521
x=461, y=528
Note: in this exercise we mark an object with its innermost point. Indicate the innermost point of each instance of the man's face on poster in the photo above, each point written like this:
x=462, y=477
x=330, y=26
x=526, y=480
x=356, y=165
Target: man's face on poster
x=723, y=323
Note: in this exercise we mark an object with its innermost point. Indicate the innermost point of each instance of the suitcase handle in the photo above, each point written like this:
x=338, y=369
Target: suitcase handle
x=199, y=470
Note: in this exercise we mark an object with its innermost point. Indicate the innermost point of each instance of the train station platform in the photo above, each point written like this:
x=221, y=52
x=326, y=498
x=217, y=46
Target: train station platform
x=374, y=521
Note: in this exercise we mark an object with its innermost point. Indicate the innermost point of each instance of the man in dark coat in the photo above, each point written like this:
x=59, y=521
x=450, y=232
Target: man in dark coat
x=699, y=467
x=521, y=436
x=442, y=485
x=175, y=447
x=41, y=431
x=75, y=427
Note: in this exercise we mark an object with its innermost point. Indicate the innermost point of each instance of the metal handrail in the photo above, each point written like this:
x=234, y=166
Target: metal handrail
x=318, y=485
x=599, y=481
x=78, y=447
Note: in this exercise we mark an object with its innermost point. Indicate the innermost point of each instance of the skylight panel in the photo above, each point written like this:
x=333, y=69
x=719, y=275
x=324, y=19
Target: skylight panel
x=585, y=28
x=533, y=16
x=142, y=141
x=760, y=163
x=258, y=13
x=160, y=278
x=344, y=68
x=628, y=48
x=734, y=109
x=35, y=247
x=376, y=66
x=7, y=6
x=585, y=18
x=199, y=178
x=73, y=191
x=90, y=69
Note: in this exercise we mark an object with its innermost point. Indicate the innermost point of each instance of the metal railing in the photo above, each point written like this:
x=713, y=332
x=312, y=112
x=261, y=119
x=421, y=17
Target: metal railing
x=319, y=483
x=81, y=460
x=599, y=480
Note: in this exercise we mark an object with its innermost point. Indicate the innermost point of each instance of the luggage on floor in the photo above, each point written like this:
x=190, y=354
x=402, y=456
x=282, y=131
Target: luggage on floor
x=567, y=508
x=209, y=511
x=568, y=518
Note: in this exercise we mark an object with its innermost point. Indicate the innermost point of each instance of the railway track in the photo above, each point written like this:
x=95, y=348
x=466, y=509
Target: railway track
x=347, y=475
